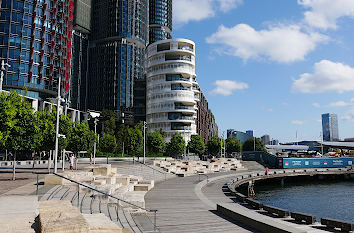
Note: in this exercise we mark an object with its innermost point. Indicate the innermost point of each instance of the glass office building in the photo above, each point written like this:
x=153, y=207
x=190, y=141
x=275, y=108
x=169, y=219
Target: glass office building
x=35, y=39
x=160, y=20
x=330, y=127
x=119, y=35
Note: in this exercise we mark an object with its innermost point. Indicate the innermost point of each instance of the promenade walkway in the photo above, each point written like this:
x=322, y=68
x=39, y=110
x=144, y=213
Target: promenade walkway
x=181, y=210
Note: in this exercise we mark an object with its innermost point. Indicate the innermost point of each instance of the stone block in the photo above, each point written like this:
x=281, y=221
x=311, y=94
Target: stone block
x=100, y=223
x=99, y=182
x=124, y=180
x=52, y=179
x=60, y=216
x=142, y=187
x=102, y=169
x=111, y=180
x=113, y=171
x=79, y=176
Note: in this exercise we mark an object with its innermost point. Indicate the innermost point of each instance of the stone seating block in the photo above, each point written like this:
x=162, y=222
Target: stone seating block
x=142, y=187
x=60, y=216
x=103, y=170
x=100, y=223
x=113, y=171
x=52, y=179
x=99, y=182
x=79, y=176
x=111, y=180
x=124, y=180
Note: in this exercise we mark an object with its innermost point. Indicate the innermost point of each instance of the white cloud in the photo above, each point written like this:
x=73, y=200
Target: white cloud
x=227, y=5
x=185, y=11
x=316, y=105
x=297, y=122
x=339, y=104
x=325, y=13
x=227, y=87
x=282, y=44
x=328, y=76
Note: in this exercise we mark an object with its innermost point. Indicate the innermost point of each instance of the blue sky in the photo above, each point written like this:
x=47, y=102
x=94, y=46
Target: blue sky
x=273, y=66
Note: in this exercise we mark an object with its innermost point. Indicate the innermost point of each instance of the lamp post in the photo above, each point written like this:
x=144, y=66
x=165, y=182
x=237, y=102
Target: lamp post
x=3, y=69
x=57, y=135
x=94, y=145
x=144, y=142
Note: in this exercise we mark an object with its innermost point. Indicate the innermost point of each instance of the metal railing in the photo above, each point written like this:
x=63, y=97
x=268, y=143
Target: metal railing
x=153, y=169
x=107, y=195
x=37, y=184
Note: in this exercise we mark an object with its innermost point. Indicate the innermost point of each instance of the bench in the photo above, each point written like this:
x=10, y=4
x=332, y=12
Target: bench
x=333, y=223
x=299, y=217
x=277, y=211
x=255, y=204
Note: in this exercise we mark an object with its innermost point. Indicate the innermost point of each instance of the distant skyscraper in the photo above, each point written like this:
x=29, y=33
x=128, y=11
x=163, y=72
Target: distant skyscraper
x=266, y=139
x=119, y=34
x=160, y=20
x=330, y=127
x=242, y=136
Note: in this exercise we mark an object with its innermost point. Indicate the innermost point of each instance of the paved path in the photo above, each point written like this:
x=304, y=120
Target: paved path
x=181, y=210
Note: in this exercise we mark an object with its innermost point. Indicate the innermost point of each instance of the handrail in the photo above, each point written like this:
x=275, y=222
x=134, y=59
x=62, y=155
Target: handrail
x=104, y=193
x=107, y=195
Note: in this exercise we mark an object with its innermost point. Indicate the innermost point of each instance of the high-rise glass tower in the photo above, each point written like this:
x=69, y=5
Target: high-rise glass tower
x=35, y=39
x=160, y=20
x=330, y=127
x=119, y=34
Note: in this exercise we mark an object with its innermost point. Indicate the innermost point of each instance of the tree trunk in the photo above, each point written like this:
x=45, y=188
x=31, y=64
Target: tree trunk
x=14, y=167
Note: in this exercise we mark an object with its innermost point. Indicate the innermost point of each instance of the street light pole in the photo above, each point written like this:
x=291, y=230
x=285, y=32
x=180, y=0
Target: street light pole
x=3, y=69
x=94, y=145
x=57, y=130
x=144, y=142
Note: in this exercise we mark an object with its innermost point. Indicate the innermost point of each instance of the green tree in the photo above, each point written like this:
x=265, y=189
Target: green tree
x=46, y=121
x=133, y=141
x=20, y=125
x=176, y=146
x=214, y=145
x=233, y=145
x=248, y=145
x=111, y=122
x=81, y=138
x=156, y=143
x=108, y=143
x=196, y=145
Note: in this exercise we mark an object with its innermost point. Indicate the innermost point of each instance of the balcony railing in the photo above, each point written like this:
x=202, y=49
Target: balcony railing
x=173, y=127
x=184, y=107
x=179, y=89
x=176, y=78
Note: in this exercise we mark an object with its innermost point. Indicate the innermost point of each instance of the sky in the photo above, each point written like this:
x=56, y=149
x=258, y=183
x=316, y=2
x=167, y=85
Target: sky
x=273, y=66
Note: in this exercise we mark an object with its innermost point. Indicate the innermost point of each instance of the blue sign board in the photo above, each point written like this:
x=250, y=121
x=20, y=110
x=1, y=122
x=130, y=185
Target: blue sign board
x=317, y=162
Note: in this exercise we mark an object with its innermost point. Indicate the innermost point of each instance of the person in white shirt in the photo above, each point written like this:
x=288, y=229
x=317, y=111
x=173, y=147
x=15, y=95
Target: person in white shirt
x=72, y=160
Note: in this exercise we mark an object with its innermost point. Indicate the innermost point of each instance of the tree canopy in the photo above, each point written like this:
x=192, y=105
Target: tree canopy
x=214, y=145
x=248, y=145
x=233, y=145
x=196, y=145
x=108, y=143
x=176, y=146
x=156, y=143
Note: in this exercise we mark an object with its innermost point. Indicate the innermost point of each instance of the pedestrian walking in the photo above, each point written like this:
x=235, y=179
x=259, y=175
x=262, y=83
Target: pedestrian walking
x=72, y=160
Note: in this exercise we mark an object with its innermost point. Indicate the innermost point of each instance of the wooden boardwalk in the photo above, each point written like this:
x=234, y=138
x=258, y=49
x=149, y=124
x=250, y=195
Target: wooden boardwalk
x=180, y=209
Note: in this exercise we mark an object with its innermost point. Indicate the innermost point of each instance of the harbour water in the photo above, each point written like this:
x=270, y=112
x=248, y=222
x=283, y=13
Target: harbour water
x=320, y=198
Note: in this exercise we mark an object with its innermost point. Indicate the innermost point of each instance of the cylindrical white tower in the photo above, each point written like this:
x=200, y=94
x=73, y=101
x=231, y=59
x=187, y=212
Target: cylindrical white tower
x=172, y=89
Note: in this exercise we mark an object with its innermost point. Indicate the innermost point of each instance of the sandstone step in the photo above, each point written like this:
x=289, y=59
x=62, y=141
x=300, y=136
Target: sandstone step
x=101, y=223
